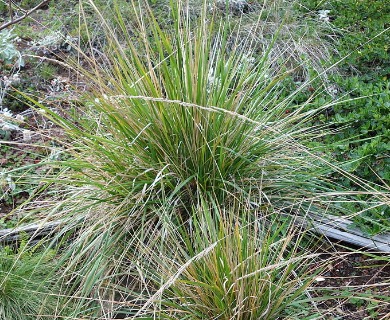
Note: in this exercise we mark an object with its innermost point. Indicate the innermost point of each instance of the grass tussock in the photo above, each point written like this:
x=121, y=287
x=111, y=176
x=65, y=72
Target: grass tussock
x=26, y=289
x=182, y=171
x=233, y=270
x=189, y=113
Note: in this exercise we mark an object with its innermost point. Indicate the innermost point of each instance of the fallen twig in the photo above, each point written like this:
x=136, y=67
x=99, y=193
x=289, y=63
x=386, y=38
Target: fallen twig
x=339, y=228
x=32, y=231
x=14, y=21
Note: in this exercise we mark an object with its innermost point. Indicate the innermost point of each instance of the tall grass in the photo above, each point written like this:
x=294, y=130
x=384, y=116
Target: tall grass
x=228, y=268
x=190, y=112
x=182, y=175
x=26, y=290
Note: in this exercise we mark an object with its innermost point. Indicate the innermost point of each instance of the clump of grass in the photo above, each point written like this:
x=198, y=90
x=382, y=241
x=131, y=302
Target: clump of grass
x=177, y=128
x=26, y=290
x=186, y=111
x=228, y=268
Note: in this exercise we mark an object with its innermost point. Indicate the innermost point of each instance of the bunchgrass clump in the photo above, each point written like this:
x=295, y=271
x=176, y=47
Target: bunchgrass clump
x=182, y=177
x=195, y=114
x=221, y=267
x=26, y=289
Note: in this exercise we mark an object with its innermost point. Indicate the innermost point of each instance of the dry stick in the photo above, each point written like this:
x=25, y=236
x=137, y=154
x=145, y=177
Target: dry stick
x=32, y=231
x=341, y=229
x=12, y=21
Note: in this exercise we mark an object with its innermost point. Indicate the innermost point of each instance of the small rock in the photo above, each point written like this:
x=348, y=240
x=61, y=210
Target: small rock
x=26, y=135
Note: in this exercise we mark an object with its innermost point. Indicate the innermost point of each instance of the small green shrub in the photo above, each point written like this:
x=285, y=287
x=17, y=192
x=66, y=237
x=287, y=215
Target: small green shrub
x=365, y=34
x=366, y=115
x=361, y=122
x=363, y=24
x=360, y=138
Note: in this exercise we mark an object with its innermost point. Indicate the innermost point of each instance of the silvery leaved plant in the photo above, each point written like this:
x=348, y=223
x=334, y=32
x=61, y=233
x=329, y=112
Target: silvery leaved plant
x=9, y=54
x=5, y=84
